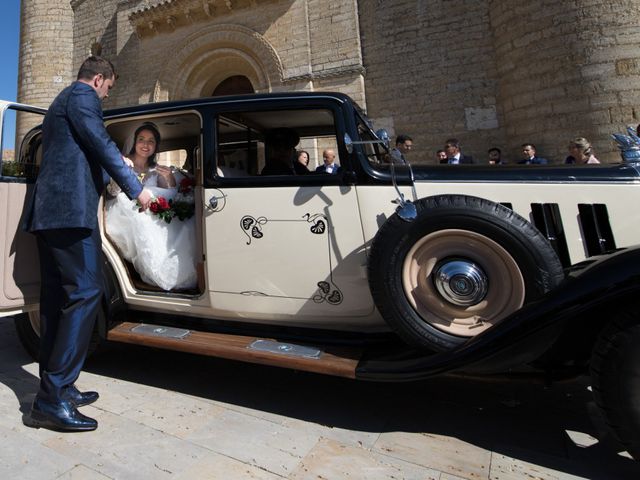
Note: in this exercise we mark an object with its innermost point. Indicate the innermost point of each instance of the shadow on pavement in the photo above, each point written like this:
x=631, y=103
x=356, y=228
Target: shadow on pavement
x=525, y=420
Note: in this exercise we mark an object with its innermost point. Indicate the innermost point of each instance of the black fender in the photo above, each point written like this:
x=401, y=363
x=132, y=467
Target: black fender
x=112, y=300
x=600, y=284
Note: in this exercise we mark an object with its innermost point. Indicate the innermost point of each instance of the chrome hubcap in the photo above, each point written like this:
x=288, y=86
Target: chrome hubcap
x=461, y=282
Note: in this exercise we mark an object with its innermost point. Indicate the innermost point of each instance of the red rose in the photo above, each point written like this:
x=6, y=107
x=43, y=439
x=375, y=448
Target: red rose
x=186, y=185
x=163, y=204
x=154, y=207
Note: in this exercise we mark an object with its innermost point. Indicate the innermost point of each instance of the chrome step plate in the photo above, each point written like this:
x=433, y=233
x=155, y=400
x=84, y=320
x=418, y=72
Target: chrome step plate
x=160, y=331
x=291, y=349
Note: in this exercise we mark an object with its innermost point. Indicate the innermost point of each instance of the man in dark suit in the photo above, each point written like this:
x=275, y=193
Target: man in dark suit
x=329, y=166
x=529, y=156
x=454, y=153
x=404, y=144
x=78, y=158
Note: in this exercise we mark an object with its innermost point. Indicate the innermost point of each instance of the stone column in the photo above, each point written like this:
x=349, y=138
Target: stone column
x=46, y=51
x=567, y=69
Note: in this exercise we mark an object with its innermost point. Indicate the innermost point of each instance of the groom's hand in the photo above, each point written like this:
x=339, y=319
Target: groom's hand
x=127, y=161
x=144, y=199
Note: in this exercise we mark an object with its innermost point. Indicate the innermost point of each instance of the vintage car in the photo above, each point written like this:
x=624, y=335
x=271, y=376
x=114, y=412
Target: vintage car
x=381, y=272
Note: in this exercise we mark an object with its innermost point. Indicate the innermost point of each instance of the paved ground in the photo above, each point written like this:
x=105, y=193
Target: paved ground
x=169, y=415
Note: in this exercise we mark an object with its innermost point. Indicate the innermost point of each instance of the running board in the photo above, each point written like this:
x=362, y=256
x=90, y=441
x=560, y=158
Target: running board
x=338, y=361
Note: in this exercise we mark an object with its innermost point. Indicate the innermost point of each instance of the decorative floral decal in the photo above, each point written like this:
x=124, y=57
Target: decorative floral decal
x=325, y=294
x=319, y=223
x=252, y=227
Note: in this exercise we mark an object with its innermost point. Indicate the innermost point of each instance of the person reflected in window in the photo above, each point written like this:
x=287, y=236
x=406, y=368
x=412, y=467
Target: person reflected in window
x=280, y=144
x=330, y=166
x=301, y=163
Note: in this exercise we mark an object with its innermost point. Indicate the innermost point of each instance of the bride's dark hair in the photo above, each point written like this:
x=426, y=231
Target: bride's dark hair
x=156, y=134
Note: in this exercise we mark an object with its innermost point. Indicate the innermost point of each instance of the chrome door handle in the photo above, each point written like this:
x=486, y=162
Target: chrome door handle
x=216, y=202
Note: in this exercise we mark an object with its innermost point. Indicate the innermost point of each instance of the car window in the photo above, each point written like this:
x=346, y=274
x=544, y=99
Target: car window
x=267, y=143
x=21, y=144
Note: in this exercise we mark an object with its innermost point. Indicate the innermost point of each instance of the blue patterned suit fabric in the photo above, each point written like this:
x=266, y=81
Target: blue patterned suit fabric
x=79, y=158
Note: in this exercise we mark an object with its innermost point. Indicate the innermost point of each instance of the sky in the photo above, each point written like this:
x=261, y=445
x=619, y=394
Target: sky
x=9, y=50
x=9, y=40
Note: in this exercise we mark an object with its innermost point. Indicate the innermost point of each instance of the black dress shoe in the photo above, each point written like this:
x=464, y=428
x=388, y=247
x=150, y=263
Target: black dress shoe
x=80, y=399
x=61, y=416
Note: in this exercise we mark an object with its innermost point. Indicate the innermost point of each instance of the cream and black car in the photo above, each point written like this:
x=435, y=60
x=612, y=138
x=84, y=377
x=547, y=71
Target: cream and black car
x=380, y=272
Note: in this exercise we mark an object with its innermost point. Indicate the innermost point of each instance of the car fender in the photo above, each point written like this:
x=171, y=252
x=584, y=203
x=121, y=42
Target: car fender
x=604, y=282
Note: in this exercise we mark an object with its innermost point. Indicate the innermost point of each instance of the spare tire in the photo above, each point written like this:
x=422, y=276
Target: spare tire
x=463, y=265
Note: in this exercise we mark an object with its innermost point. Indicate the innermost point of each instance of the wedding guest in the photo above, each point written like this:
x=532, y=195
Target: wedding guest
x=495, y=156
x=441, y=156
x=529, y=156
x=330, y=166
x=404, y=144
x=580, y=152
x=301, y=165
x=454, y=153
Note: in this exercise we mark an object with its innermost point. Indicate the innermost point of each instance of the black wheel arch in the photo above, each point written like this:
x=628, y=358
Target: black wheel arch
x=113, y=303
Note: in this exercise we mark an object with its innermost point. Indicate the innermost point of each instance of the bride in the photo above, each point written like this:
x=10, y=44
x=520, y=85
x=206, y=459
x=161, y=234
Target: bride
x=161, y=250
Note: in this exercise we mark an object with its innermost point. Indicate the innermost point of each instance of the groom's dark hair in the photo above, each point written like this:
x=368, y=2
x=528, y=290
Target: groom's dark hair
x=93, y=66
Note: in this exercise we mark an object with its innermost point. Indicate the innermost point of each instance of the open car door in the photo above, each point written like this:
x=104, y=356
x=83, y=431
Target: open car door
x=20, y=144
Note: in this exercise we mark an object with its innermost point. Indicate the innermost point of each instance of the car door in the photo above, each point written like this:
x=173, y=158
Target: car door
x=20, y=157
x=284, y=246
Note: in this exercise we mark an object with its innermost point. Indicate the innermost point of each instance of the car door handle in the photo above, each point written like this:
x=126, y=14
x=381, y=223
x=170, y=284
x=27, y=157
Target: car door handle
x=216, y=202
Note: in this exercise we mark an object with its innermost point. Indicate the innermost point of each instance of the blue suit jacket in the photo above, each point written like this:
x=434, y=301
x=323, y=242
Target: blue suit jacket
x=535, y=161
x=78, y=158
x=335, y=171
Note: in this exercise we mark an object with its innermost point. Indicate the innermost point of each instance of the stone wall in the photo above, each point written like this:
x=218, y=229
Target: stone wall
x=567, y=69
x=489, y=72
x=431, y=73
x=503, y=72
x=181, y=49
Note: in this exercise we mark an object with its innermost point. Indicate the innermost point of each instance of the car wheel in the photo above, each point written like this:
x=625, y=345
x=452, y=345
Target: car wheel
x=462, y=266
x=28, y=330
x=615, y=376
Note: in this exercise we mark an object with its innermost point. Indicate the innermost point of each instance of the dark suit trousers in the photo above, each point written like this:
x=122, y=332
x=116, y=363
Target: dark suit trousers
x=70, y=296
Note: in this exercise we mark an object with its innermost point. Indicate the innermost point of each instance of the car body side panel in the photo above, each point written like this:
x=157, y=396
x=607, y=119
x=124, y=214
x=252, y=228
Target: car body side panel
x=20, y=271
x=289, y=254
x=375, y=201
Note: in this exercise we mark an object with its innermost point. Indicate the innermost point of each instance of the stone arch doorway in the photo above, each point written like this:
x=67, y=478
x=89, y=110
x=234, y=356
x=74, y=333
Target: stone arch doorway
x=233, y=85
x=209, y=57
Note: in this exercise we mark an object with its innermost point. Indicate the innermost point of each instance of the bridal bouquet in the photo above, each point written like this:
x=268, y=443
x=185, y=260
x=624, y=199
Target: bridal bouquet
x=184, y=203
x=181, y=206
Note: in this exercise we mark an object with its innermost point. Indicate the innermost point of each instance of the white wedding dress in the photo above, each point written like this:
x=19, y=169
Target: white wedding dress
x=162, y=253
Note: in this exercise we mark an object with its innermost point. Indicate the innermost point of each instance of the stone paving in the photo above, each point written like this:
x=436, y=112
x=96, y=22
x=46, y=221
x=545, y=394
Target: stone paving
x=177, y=416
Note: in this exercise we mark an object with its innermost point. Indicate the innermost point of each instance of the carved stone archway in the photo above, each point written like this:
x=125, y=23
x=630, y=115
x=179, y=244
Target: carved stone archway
x=209, y=56
x=233, y=85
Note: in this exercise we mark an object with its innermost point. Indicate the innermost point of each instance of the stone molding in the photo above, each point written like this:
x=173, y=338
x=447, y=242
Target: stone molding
x=167, y=15
x=192, y=67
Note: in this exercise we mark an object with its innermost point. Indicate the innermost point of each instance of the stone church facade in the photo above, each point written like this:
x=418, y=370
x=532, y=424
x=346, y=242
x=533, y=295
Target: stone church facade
x=489, y=72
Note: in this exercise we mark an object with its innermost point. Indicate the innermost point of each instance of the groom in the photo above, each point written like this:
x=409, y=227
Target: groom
x=78, y=158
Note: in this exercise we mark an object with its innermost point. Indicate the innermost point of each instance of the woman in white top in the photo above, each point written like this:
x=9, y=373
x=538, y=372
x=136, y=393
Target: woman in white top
x=160, y=246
